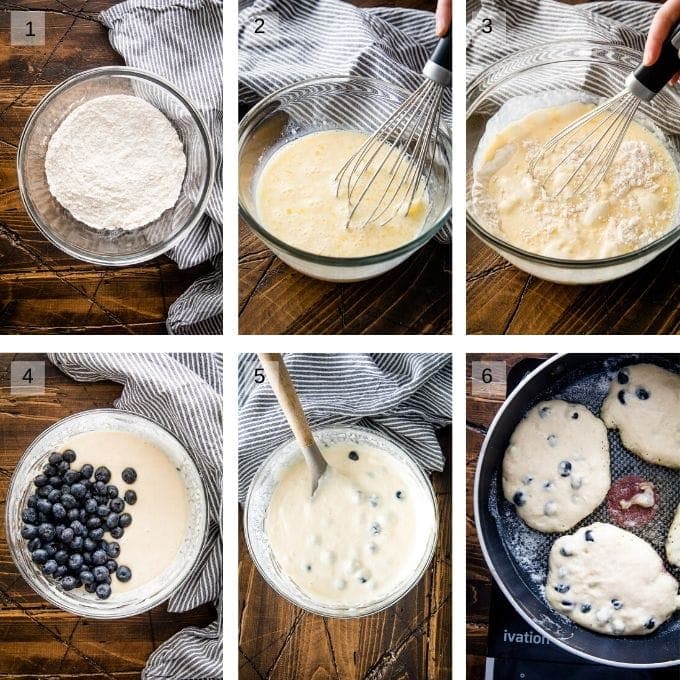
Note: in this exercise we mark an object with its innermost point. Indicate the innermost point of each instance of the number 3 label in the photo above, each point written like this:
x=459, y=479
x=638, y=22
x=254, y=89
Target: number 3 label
x=488, y=379
x=493, y=27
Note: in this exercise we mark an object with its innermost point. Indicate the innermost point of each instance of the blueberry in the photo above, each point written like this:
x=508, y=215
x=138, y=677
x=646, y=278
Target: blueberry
x=78, y=490
x=34, y=544
x=622, y=378
x=41, y=480
x=68, y=501
x=544, y=411
x=39, y=556
x=50, y=470
x=650, y=624
x=46, y=531
x=50, y=567
x=56, y=482
x=566, y=553
x=112, y=491
x=29, y=531
x=62, y=570
x=87, y=557
x=67, y=535
x=69, y=582
x=89, y=544
x=72, y=476
x=562, y=588
x=112, y=521
x=94, y=522
x=117, y=532
x=99, y=486
x=96, y=534
x=103, y=591
x=113, y=549
x=78, y=528
x=63, y=467
x=574, y=415
x=117, y=505
x=77, y=543
x=54, y=496
x=565, y=468
x=69, y=455
x=585, y=608
x=29, y=515
x=102, y=511
x=75, y=562
x=589, y=536
x=61, y=557
x=131, y=497
x=102, y=474
x=111, y=565
x=125, y=520
x=375, y=529
x=50, y=549
x=617, y=604
x=518, y=499
x=641, y=393
x=621, y=396
x=86, y=471
x=98, y=557
x=353, y=455
x=58, y=511
x=55, y=458
x=567, y=603
x=45, y=491
x=552, y=440
x=32, y=501
x=399, y=495
x=44, y=506
x=91, y=505
x=100, y=573
x=73, y=514
x=123, y=574
x=547, y=484
x=362, y=579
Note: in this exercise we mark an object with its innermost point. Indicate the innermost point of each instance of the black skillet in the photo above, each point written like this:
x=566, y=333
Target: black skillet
x=517, y=555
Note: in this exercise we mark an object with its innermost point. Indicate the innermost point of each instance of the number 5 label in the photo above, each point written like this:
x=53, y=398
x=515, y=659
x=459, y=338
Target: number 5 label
x=27, y=29
x=27, y=378
x=488, y=378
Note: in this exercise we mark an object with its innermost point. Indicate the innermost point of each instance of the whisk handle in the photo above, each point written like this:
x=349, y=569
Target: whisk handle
x=647, y=81
x=438, y=67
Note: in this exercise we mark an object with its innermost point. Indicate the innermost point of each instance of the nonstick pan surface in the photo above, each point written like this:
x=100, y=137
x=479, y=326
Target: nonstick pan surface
x=518, y=555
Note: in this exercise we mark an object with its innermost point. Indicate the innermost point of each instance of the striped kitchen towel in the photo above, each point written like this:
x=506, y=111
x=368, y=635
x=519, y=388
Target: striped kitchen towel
x=316, y=38
x=181, y=41
x=407, y=397
x=183, y=394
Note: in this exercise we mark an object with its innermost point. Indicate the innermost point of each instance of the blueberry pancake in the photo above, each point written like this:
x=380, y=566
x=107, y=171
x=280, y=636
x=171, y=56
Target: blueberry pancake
x=673, y=541
x=610, y=581
x=556, y=467
x=644, y=404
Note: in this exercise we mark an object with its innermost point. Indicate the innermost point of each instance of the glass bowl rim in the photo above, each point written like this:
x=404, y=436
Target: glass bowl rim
x=149, y=252
x=655, y=246
x=394, y=597
x=131, y=608
x=260, y=230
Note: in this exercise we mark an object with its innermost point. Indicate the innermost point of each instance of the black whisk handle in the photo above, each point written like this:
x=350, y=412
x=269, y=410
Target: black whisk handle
x=653, y=78
x=438, y=68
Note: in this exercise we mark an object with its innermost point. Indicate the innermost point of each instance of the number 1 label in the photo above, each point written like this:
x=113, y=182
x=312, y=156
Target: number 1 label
x=27, y=29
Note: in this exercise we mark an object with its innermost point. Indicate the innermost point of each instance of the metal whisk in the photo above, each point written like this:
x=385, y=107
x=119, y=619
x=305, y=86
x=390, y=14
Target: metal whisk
x=586, y=148
x=407, y=140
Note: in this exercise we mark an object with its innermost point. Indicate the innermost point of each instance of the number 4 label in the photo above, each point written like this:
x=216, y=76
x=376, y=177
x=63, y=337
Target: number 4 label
x=27, y=378
x=488, y=378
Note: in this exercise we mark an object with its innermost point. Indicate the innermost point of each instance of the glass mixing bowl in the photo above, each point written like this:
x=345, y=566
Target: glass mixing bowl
x=331, y=103
x=147, y=595
x=595, y=69
x=259, y=496
x=117, y=247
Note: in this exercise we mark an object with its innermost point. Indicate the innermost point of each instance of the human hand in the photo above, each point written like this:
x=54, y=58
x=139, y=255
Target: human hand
x=664, y=20
x=443, y=16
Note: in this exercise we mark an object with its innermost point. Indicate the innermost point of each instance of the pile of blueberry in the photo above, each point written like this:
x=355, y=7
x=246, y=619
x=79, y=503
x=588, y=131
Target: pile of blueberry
x=65, y=521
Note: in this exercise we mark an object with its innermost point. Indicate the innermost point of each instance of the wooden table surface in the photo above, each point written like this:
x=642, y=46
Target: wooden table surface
x=43, y=290
x=38, y=641
x=480, y=411
x=415, y=297
x=409, y=641
x=502, y=299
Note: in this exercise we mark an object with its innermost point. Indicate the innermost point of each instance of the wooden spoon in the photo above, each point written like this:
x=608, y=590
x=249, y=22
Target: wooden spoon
x=283, y=387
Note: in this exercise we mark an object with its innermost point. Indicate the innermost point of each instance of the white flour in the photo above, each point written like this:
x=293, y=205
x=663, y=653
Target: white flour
x=115, y=162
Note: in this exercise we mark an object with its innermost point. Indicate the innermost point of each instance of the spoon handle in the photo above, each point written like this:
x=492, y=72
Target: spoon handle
x=283, y=387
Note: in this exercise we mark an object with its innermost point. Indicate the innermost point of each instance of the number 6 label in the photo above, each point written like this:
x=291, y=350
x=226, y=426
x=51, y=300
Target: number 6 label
x=27, y=378
x=488, y=378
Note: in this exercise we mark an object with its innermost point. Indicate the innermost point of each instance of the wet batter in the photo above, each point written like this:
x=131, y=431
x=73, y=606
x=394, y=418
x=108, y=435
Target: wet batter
x=635, y=204
x=296, y=200
x=361, y=535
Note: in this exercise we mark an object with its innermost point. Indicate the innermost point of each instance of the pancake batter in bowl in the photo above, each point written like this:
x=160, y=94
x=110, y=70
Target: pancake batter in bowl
x=635, y=204
x=361, y=536
x=296, y=200
x=160, y=516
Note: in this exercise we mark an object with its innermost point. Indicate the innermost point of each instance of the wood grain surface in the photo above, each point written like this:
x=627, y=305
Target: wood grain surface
x=480, y=411
x=412, y=298
x=409, y=641
x=43, y=290
x=38, y=641
x=502, y=299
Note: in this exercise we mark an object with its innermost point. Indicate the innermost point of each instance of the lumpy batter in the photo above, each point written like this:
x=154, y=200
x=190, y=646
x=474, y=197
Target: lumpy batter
x=360, y=536
x=296, y=200
x=160, y=515
x=635, y=204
